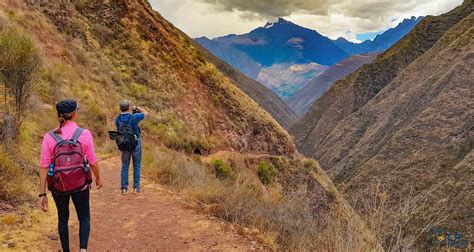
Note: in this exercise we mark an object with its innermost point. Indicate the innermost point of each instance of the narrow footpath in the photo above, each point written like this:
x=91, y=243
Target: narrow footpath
x=152, y=220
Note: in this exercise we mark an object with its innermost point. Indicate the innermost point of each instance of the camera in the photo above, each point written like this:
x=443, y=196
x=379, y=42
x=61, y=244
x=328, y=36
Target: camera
x=135, y=110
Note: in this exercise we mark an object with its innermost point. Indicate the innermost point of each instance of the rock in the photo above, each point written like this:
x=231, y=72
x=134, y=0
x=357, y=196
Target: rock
x=53, y=237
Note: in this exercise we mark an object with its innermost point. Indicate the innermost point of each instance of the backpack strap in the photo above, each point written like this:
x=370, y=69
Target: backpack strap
x=76, y=134
x=55, y=136
x=128, y=122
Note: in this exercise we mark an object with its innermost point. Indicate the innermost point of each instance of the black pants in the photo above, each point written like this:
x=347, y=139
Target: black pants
x=81, y=203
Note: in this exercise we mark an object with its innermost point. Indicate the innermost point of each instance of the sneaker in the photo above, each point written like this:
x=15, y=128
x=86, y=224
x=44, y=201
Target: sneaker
x=136, y=190
x=124, y=191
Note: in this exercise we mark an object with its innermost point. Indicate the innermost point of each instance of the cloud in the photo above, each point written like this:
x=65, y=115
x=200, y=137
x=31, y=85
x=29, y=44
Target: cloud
x=332, y=18
x=272, y=8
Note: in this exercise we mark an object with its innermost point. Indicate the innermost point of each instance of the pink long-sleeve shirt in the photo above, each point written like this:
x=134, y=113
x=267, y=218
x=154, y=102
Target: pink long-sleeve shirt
x=67, y=131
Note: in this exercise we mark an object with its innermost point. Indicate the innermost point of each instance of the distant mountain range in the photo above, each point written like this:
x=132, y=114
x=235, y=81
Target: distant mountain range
x=301, y=101
x=382, y=41
x=285, y=56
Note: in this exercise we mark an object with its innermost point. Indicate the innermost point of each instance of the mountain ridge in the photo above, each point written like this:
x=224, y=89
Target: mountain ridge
x=301, y=101
x=406, y=129
x=382, y=41
x=258, y=92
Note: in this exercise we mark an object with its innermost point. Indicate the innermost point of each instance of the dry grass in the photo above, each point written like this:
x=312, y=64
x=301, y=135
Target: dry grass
x=282, y=218
x=15, y=185
x=25, y=229
x=390, y=219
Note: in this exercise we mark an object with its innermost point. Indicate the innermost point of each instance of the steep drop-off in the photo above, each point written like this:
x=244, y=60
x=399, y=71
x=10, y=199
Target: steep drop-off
x=404, y=125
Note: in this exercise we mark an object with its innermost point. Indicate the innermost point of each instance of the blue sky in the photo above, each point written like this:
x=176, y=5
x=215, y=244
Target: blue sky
x=368, y=35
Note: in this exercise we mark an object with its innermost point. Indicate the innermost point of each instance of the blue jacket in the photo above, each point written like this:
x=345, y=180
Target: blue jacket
x=136, y=118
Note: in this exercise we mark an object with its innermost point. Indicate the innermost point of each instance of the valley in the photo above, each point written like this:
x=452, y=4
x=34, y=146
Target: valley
x=285, y=57
x=280, y=138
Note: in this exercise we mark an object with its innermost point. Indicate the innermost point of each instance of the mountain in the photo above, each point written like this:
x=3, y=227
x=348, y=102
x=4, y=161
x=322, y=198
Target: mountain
x=204, y=138
x=281, y=55
x=402, y=127
x=228, y=54
x=302, y=100
x=285, y=42
x=259, y=93
x=382, y=41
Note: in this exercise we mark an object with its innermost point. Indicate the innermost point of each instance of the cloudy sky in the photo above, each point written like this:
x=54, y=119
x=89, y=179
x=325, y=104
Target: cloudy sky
x=352, y=19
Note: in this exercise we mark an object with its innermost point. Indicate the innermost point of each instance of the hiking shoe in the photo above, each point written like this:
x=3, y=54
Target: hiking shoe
x=124, y=191
x=136, y=190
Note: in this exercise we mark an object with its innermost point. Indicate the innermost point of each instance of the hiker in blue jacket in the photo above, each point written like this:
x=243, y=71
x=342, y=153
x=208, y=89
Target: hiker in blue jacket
x=131, y=115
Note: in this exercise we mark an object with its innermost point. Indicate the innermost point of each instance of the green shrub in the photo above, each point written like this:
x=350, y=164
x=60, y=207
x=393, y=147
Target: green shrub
x=19, y=61
x=266, y=172
x=222, y=170
x=311, y=164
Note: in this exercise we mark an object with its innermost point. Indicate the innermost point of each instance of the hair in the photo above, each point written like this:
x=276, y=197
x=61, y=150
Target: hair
x=124, y=105
x=63, y=118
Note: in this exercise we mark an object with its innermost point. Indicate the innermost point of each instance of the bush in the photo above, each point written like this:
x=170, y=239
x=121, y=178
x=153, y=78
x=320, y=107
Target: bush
x=311, y=164
x=266, y=172
x=19, y=61
x=222, y=170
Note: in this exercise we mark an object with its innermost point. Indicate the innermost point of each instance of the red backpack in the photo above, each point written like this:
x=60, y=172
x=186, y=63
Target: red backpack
x=69, y=171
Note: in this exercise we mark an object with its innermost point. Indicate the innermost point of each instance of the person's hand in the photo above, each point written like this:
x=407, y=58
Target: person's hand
x=98, y=183
x=43, y=203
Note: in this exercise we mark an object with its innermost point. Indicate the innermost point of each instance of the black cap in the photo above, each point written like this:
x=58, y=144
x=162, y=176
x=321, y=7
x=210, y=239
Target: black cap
x=66, y=106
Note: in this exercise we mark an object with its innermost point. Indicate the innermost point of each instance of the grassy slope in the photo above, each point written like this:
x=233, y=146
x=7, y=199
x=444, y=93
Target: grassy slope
x=348, y=95
x=412, y=138
x=100, y=53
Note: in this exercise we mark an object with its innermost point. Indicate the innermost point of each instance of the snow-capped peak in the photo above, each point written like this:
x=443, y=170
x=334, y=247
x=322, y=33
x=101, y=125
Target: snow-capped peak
x=269, y=24
x=276, y=21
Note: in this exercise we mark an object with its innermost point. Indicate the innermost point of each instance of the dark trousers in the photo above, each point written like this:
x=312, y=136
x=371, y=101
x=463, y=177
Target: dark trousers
x=81, y=203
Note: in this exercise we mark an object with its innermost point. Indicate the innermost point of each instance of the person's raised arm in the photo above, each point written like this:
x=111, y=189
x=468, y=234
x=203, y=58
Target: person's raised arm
x=142, y=110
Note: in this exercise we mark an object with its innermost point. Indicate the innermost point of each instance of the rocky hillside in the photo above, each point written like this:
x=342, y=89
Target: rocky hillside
x=403, y=125
x=258, y=92
x=100, y=52
x=302, y=100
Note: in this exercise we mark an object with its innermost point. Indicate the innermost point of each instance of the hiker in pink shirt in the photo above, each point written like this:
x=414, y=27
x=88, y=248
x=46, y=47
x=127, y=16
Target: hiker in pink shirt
x=67, y=156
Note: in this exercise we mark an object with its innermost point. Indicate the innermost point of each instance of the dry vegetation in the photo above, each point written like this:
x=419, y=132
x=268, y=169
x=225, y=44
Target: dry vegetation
x=291, y=213
x=99, y=54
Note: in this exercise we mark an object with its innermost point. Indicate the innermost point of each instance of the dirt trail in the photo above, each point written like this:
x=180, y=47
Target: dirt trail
x=152, y=220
